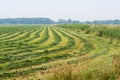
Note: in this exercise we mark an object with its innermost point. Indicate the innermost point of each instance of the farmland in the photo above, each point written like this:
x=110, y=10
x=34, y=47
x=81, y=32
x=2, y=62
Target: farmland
x=59, y=52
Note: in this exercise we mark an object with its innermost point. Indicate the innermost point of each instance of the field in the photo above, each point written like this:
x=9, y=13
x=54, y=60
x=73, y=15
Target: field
x=59, y=52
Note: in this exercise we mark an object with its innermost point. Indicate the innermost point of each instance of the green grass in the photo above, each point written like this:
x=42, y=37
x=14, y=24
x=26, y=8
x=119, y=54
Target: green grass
x=99, y=30
x=88, y=52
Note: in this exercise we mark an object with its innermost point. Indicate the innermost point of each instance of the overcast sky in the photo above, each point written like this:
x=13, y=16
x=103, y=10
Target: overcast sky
x=56, y=9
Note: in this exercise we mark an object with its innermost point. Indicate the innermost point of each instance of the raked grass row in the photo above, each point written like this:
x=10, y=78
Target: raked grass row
x=32, y=51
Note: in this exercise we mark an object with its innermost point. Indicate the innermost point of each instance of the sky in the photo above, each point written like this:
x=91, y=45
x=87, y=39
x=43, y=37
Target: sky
x=83, y=10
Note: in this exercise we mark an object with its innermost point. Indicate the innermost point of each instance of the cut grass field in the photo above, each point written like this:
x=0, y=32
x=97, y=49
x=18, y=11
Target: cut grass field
x=59, y=52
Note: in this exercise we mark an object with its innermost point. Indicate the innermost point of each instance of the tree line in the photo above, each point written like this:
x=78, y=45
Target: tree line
x=50, y=21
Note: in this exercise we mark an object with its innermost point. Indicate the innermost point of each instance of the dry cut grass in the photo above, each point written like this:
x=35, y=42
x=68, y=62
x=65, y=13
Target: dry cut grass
x=83, y=72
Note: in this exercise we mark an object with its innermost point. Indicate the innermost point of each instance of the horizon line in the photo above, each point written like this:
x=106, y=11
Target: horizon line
x=60, y=18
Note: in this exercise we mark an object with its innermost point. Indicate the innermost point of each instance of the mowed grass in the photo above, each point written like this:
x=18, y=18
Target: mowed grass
x=59, y=52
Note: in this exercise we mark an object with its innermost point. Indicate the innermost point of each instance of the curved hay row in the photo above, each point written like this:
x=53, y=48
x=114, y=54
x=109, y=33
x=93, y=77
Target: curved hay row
x=38, y=57
x=49, y=40
x=11, y=41
x=57, y=54
x=52, y=56
x=16, y=52
x=33, y=35
x=78, y=43
x=14, y=32
x=85, y=37
x=32, y=52
x=30, y=44
x=14, y=35
x=66, y=42
x=20, y=40
x=23, y=36
x=60, y=53
x=3, y=35
x=53, y=40
x=30, y=48
x=10, y=36
x=41, y=35
x=100, y=48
